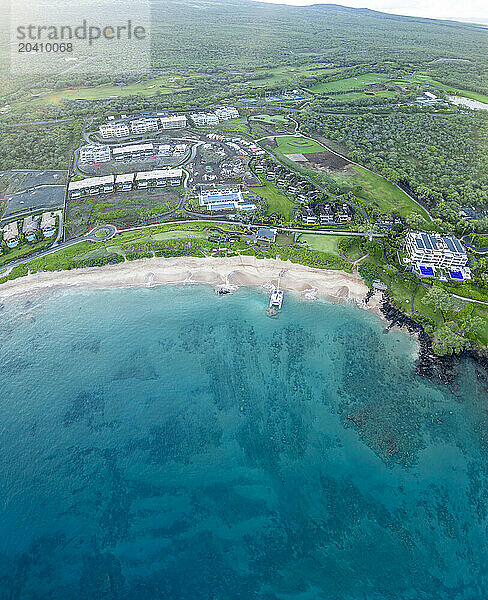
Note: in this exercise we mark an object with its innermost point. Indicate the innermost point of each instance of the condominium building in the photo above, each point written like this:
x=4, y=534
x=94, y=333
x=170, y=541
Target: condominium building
x=158, y=177
x=308, y=215
x=144, y=125
x=94, y=153
x=428, y=252
x=91, y=186
x=114, y=130
x=124, y=182
x=326, y=214
x=227, y=112
x=345, y=213
x=176, y=122
x=133, y=151
x=204, y=119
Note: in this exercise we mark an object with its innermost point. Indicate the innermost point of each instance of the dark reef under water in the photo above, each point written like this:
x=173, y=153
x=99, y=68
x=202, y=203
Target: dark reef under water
x=168, y=443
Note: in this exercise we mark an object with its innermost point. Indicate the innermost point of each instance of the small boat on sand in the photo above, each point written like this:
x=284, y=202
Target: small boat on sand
x=276, y=300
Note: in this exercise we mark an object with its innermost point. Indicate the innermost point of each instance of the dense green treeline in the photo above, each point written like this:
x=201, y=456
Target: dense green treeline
x=38, y=146
x=442, y=158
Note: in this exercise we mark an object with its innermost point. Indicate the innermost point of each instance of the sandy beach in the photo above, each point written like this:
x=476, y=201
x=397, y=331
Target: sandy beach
x=232, y=272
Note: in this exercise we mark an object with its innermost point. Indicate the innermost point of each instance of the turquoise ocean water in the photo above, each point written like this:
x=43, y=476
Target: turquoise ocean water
x=168, y=443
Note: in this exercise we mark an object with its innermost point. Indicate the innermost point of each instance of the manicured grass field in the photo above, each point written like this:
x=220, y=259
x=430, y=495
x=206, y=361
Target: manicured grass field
x=277, y=201
x=329, y=244
x=323, y=243
x=356, y=84
x=378, y=190
x=351, y=83
x=290, y=74
x=288, y=144
x=151, y=87
x=271, y=119
x=350, y=96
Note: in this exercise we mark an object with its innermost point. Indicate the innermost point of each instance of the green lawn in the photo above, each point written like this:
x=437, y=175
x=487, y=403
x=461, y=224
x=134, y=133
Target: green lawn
x=289, y=74
x=350, y=96
x=377, y=190
x=350, y=84
x=288, y=144
x=151, y=87
x=271, y=119
x=277, y=201
x=329, y=244
x=323, y=243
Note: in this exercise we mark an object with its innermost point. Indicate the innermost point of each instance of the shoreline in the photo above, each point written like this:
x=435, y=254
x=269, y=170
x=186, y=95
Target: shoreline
x=228, y=273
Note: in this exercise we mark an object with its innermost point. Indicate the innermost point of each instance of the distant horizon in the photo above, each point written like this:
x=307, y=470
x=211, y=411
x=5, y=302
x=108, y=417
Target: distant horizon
x=438, y=9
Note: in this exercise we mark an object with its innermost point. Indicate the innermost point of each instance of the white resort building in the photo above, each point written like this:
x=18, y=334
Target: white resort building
x=114, y=130
x=227, y=112
x=203, y=119
x=94, y=153
x=92, y=186
x=224, y=199
x=133, y=151
x=144, y=125
x=176, y=122
x=433, y=255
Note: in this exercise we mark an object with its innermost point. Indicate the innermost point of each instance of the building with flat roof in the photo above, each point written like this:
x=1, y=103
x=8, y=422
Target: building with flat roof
x=94, y=153
x=144, y=125
x=29, y=227
x=433, y=255
x=204, y=119
x=114, y=129
x=227, y=112
x=158, y=177
x=175, y=122
x=91, y=186
x=124, y=182
x=266, y=234
x=224, y=199
x=11, y=234
x=133, y=151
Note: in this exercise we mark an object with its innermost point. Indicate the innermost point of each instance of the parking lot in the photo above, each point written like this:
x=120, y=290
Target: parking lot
x=29, y=190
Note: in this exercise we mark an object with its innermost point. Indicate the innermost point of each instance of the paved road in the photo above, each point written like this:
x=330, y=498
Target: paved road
x=467, y=242
x=98, y=234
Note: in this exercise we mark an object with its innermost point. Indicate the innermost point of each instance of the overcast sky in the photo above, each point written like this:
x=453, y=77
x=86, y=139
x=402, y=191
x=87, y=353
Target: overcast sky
x=462, y=10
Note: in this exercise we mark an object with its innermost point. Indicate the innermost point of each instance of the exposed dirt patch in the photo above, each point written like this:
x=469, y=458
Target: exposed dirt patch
x=327, y=161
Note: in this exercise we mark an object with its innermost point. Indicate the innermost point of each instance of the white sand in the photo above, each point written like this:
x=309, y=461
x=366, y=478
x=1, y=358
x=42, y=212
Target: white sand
x=236, y=271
